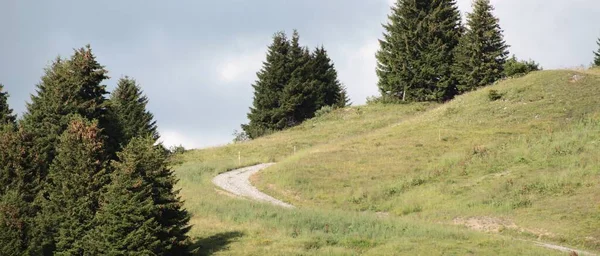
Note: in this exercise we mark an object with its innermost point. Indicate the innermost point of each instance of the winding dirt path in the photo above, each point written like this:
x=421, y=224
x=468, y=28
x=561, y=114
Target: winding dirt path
x=238, y=183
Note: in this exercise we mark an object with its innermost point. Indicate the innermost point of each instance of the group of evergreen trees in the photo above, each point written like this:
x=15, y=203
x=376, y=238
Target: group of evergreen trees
x=82, y=174
x=292, y=85
x=426, y=54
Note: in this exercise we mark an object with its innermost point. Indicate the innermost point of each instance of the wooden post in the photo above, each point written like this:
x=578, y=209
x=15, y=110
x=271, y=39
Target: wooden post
x=240, y=158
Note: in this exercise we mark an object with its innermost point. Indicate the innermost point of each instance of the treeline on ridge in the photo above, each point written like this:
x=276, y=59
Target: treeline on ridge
x=82, y=174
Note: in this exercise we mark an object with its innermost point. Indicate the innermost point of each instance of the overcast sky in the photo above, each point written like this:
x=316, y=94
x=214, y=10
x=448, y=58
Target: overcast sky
x=196, y=59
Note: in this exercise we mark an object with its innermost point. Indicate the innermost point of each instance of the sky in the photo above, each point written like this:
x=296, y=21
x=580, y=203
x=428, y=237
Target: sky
x=196, y=59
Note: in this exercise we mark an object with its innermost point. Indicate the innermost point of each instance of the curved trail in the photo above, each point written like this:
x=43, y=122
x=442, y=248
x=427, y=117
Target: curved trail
x=238, y=183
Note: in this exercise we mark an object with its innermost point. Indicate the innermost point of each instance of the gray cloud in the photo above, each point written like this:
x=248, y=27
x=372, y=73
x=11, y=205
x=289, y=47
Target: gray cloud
x=196, y=59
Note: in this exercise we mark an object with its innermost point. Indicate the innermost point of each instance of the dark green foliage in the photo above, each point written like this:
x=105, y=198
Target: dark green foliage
x=6, y=114
x=330, y=92
x=494, y=95
x=140, y=213
x=597, y=55
x=68, y=87
x=514, y=67
x=128, y=108
x=70, y=196
x=482, y=52
x=18, y=184
x=292, y=85
x=265, y=114
x=299, y=96
x=414, y=62
x=13, y=226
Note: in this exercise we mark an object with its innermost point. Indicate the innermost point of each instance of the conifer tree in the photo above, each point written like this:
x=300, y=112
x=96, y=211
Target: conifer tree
x=266, y=114
x=76, y=180
x=141, y=212
x=71, y=86
x=128, y=108
x=482, y=51
x=417, y=50
x=330, y=91
x=127, y=222
x=299, y=94
x=13, y=238
x=597, y=55
x=18, y=186
x=6, y=114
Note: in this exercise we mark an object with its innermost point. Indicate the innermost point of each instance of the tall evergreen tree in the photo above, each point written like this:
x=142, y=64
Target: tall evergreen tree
x=128, y=222
x=482, y=51
x=597, y=55
x=299, y=94
x=76, y=180
x=128, y=108
x=6, y=115
x=416, y=54
x=330, y=91
x=18, y=185
x=266, y=114
x=71, y=86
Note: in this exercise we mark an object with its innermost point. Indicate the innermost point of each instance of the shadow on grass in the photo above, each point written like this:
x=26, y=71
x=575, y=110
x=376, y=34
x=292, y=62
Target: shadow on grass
x=215, y=243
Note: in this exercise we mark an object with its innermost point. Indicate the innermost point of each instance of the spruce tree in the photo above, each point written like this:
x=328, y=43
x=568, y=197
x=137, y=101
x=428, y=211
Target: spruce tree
x=330, y=91
x=13, y=216
x=71, y=193
x=71, y=86
x=141, y=212
x=127, y=222
x=300, y=93
x=414, y=62
x=266, y=114
x=597, y=55
x=482, y=51
x=18, y=185
x=6, y=115
x=128, y=108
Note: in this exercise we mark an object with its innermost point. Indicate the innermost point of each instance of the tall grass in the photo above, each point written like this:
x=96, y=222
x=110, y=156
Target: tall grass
x=391, y=179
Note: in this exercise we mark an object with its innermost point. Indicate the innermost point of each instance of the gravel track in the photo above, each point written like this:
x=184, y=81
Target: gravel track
x=238, y=183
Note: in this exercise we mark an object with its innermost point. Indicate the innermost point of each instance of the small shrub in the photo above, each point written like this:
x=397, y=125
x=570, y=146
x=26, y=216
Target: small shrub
x=494, y=95
x=177, y=150
x=323, y=111
x=384, y=99
x=240, y=136
x=514, y=67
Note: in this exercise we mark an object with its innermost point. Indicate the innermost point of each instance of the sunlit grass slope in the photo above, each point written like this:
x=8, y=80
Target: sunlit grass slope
x=395, y=179
x=529, y=163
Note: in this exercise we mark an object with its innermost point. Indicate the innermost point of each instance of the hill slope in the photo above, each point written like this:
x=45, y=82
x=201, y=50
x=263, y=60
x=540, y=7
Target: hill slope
x=379, y=179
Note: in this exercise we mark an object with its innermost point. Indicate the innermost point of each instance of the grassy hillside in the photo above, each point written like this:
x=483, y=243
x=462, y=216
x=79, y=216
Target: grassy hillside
x=409, y=178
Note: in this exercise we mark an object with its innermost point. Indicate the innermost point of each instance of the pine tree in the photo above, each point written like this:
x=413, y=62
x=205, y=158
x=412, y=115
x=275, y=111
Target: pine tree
x=330, y=91
x=597, y=55
x=18, y=185
x=76, y=180
x=13, y=216
x=68, y=87
x=299, y=94
x=141, y=211
x=6, y=115
x=266, y=114
x=417, y=50
x=128, y=107
x=127, y=222
x=482, y=51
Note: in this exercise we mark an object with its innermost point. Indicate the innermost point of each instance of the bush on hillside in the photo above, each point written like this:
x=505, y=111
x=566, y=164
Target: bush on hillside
x=514, y=67
x=324, y=110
